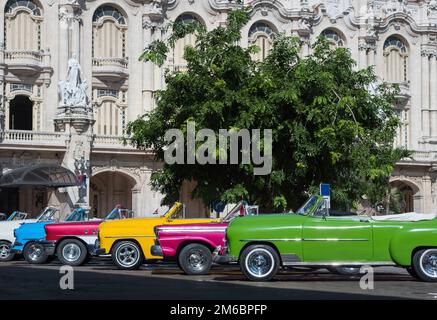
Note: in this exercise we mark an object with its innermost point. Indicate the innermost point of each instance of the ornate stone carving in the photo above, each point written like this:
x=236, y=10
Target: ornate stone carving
x=367, y=46
x=428, y=51
x=332, y=8
x=432, y=11
x=432, y=5
x=70, y=14
x=305, y=23
x=156, y=14
x=74, y=106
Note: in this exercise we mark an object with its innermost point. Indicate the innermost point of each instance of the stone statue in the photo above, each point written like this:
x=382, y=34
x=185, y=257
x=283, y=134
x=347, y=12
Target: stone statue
x=73, y=74
x=72, y=92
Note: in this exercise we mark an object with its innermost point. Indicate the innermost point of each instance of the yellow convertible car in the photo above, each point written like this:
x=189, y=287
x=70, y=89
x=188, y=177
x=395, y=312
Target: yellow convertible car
x=129, y=240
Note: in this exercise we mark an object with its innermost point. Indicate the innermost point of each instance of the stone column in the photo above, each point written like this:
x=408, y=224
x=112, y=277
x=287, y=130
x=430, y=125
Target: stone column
x=363, y=51
x=425, y=206
x=157, y=73
x=371, y=55
x=69, y=35
x=305, y=48
x=64, y=49
x=425, y=93
x=2, y=75
x=75, y=35
x=147, y=67
x=136, y=202
x=2, y=92
x=433, y=95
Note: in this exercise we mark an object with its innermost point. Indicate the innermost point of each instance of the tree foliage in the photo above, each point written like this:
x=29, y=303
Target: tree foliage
x=327, y=125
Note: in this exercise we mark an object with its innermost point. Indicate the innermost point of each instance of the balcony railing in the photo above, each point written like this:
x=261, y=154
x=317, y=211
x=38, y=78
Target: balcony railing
x=107, y=141
x=114, y=62
x=23, y=54
x=31, y=137
x=27, y=61
x=110, y=67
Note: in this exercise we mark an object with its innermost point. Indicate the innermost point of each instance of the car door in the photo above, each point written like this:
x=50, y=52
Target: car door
x=337, y=239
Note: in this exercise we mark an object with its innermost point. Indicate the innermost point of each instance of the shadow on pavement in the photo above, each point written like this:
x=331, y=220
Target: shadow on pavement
x=32, y=283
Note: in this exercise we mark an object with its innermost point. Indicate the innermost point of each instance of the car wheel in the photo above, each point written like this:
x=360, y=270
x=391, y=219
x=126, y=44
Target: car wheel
x=72, y=252
x=425, y=264
x=259, y=262
x=345, y=271
x=34, y=253
x=5, y=251
x=127, y=255
x=195, y=259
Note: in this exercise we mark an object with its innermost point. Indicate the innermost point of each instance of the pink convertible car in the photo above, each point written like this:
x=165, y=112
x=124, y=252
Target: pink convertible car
x=194, y=246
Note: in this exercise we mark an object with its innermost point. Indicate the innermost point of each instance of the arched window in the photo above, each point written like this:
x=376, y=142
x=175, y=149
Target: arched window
x=188, y=40
x=23, y=19
x=109, y=33
x=395, y=60
x=334, y=39
x=109, y=115
x=261, y=35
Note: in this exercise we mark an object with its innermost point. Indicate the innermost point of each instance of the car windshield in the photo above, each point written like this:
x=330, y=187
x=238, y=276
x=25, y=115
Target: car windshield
x=77, y=215
x=119, y=213
x=17, y=215
x=235, y=212
x=47, y=214
x=179, y=213
x=175, y=211
x=304, y=210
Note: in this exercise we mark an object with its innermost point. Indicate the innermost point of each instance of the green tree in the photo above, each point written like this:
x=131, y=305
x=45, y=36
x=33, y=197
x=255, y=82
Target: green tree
x=327, y=126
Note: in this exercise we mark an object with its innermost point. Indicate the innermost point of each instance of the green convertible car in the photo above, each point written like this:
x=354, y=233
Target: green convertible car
x=312, y=237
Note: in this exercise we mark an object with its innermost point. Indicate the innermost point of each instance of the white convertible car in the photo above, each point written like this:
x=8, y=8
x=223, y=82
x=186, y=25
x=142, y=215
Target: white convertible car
x=7, y=228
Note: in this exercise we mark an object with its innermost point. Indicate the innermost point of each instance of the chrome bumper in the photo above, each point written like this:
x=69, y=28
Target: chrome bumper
x=223, y=259
x=49, y=246
x=98, y=252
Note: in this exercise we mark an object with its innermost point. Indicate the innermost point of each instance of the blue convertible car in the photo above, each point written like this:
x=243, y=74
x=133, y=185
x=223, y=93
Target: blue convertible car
x=29, y=233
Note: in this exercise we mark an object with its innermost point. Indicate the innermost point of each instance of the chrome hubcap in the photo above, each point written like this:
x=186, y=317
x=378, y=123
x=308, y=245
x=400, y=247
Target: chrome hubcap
x=35, y=252
x=197, y=259
x=5, y=250
x=127, y=255
x=259, y=262
x=71, y=252
x=428, y=262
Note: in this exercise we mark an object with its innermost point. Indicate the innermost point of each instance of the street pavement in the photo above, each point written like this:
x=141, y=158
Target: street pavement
x=99, y=279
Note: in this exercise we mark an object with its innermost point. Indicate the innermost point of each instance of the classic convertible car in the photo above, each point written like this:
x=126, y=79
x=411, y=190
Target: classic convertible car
x=7, y=228
x=193, y=245
x=27, y=235
x=73, y=242
x=313, y=238
x=129, y=241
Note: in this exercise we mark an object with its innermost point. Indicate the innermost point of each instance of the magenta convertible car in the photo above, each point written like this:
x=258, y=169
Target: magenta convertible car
x=194, y=246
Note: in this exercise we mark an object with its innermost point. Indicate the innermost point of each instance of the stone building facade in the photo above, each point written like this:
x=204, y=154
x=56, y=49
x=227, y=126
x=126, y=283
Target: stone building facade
x=41, y=39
